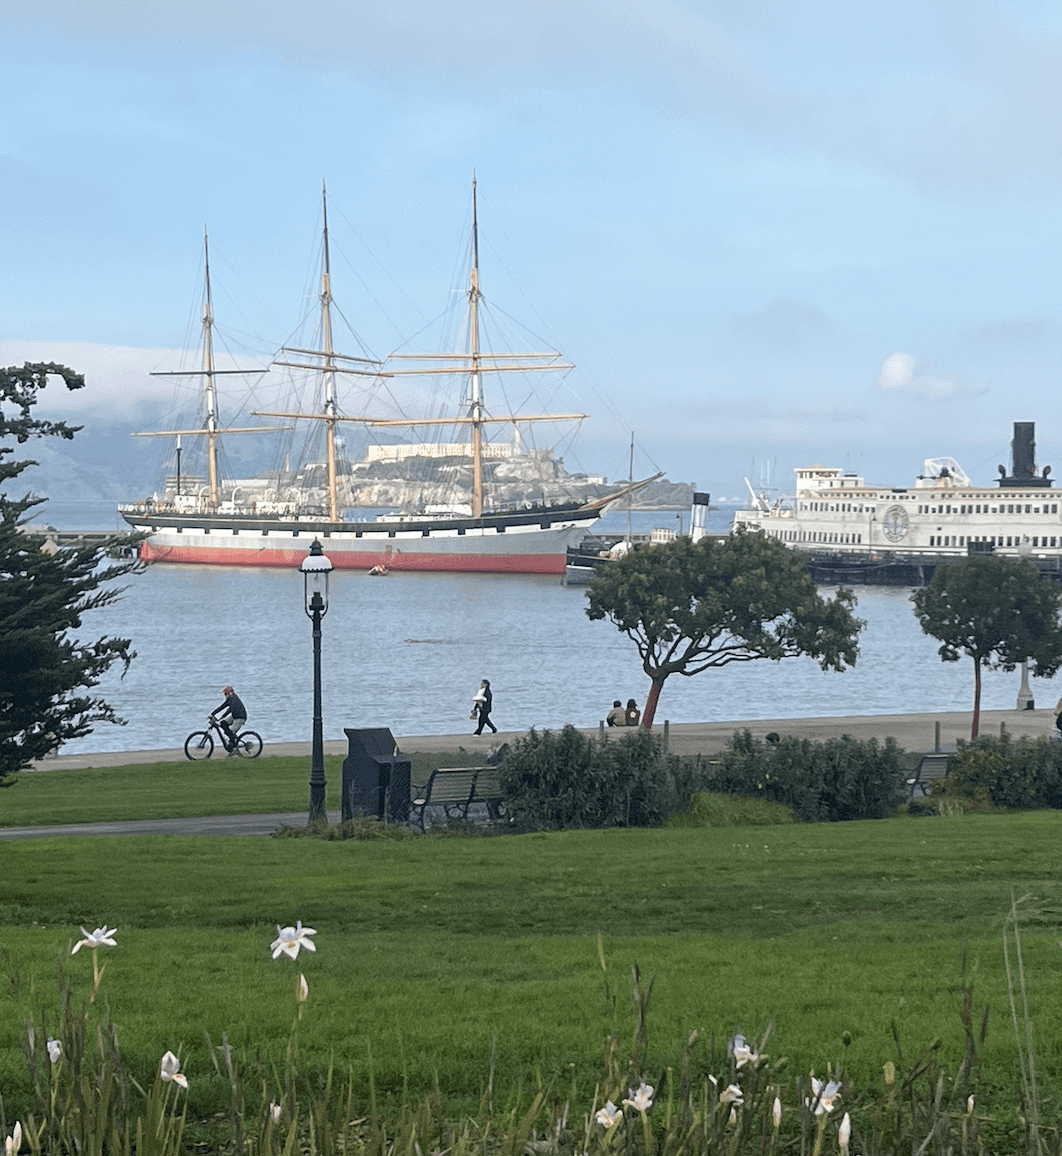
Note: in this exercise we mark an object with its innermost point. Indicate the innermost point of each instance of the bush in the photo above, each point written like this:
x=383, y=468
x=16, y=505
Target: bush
x=707, y=810
x=842, y=778
x=565, y=779
x=1018, y=774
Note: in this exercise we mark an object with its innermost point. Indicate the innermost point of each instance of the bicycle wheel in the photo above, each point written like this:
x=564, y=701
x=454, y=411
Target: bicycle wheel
x=199, y=745
x=249, y=745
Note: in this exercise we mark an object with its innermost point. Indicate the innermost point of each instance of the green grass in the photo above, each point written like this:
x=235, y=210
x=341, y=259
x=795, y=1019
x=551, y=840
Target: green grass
x=429, y=949
x=217, y=786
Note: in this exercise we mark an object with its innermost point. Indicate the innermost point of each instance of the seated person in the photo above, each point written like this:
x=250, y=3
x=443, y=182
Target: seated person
x=616, y=716
x=632, y=714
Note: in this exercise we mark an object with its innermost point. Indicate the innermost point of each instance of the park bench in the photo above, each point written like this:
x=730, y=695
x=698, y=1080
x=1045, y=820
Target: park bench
x=931, y=768
x=456, y=789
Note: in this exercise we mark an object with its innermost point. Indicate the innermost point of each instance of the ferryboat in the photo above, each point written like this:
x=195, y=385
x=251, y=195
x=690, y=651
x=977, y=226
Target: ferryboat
x=862, y=532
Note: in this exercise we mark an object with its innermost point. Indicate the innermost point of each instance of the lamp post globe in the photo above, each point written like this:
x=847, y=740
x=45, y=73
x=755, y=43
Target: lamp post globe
x=315, y=570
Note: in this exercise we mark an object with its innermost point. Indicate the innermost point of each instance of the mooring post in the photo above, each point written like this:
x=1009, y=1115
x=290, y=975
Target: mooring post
x=667, y=728
x=601, y=729
x=936, y=736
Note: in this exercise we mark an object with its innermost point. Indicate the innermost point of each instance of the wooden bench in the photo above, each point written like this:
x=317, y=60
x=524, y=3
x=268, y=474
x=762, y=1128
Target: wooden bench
x=455, y=789
x=931, y=768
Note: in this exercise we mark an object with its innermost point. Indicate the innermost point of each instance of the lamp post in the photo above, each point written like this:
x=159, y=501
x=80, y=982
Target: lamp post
x=315, y=570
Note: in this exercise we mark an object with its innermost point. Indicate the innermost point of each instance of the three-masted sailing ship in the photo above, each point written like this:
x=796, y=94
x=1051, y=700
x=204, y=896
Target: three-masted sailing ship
x=203, y=527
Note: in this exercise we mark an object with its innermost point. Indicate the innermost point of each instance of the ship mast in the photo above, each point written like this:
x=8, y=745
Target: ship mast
x=475, y=362
x=325, y=364
x=476, y=402
x=329, y=368
x=209, y=371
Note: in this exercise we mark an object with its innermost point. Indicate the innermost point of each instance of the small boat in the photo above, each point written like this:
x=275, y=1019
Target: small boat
x=212, y=523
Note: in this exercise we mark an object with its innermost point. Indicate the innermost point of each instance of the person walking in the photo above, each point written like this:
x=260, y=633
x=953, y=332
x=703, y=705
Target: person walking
x=482, y=704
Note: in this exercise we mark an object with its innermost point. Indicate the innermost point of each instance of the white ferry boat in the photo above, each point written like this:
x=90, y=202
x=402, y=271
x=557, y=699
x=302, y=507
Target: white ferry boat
x=943, y=515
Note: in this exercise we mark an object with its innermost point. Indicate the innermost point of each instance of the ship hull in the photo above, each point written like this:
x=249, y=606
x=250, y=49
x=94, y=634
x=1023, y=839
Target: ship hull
x=521, y=544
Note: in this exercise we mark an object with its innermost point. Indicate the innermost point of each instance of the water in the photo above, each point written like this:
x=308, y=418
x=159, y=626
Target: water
x=407, y=651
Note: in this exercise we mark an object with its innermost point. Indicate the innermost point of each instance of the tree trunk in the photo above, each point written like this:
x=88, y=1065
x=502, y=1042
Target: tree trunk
x=977, y=699
x=655, y=687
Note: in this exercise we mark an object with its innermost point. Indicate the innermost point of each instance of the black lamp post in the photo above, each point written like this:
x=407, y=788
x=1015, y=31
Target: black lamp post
x=315, y=570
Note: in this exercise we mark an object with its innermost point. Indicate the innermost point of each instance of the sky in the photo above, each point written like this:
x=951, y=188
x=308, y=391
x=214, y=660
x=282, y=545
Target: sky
x=768, y=234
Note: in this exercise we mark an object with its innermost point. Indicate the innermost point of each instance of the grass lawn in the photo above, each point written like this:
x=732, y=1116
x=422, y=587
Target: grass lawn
x=217, y=786
x=430, y=949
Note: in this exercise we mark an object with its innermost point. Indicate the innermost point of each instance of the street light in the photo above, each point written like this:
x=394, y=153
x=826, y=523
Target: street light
x=315, y=570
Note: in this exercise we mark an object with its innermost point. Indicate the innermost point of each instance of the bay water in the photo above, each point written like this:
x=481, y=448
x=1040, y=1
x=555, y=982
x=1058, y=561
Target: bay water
x=407, y=651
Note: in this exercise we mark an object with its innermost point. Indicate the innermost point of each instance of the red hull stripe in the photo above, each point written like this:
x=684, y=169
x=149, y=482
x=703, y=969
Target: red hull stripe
x=346, y=560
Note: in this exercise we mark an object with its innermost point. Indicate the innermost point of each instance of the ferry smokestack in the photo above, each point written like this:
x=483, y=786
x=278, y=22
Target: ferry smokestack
x=699, y=516
x=1023, y=460
x=1023, y=450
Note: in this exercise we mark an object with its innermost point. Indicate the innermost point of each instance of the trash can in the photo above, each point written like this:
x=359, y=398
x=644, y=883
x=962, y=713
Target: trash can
x=375, y=776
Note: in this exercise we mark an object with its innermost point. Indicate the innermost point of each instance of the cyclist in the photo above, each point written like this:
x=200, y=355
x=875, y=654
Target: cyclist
x=232, y=718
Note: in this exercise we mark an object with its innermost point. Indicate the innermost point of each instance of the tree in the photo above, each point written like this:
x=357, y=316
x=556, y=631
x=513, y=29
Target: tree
x=46, y=671
x=690, y=605
x=998, y=611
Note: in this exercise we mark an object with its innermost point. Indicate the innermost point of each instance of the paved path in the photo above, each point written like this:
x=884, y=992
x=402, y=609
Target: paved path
x=913, y=732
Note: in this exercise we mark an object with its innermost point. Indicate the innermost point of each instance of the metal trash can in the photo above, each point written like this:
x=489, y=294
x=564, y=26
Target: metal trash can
x=375, y=776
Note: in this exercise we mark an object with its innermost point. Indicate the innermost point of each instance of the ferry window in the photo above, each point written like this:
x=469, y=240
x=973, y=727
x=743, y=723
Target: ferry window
x=1036, y=541
x=962, y=540
x=1009, y=541
x=1052, y=541
x=1054, y=508
x=1028, y=509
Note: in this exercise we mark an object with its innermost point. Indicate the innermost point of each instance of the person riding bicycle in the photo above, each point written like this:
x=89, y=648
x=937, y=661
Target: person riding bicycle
x=231, y=717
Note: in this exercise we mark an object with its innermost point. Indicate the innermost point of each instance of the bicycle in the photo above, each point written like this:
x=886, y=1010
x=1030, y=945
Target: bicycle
x=200, y=744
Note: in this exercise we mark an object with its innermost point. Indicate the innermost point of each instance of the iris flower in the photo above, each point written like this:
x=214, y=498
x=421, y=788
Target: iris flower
x=823, y=1096
x=640, y=1100
x=742, y=1053
x=777, y=1113
x=732, y=1094
x=844, y=1132
x=608, y=1115
x=101, y=937
x=290, y=939
x=274, y=1112
x=171, y=1070
x=13, y=1142
x=55, y=1050
x=302, y=989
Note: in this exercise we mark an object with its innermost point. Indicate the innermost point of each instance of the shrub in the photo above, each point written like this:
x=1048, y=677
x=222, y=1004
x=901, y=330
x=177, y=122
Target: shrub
x=567, y=779
x=1019, y=774
x=708, y=810
x=842, y=778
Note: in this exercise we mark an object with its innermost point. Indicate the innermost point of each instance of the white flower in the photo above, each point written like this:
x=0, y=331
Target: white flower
x=101, y=937
x=732, y=1094
x=640, y=1100
x=844, y=1132
x=742, y=1053
x=55, y=1050
x=823, y=1096
x=777, y=1112
x=290, y=939
x=274, y=1112
x=608, y=1115
x=171, y=1070
x=970, y=1105
x=302, y=988
x=13, y=1142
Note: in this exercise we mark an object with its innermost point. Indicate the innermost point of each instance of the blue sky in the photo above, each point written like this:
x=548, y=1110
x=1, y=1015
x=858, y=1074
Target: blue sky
x=767, y=233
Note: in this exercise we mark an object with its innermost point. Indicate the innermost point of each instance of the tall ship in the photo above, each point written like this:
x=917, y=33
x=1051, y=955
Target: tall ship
x=860, y=532
x=204, y=520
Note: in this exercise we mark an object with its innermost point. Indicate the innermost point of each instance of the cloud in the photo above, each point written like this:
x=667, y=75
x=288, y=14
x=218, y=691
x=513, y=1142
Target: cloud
x=901, y=373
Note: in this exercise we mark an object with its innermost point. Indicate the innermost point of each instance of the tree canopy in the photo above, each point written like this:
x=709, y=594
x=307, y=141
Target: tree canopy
x=999, y=612
x=47, y=671
x=689, y=606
